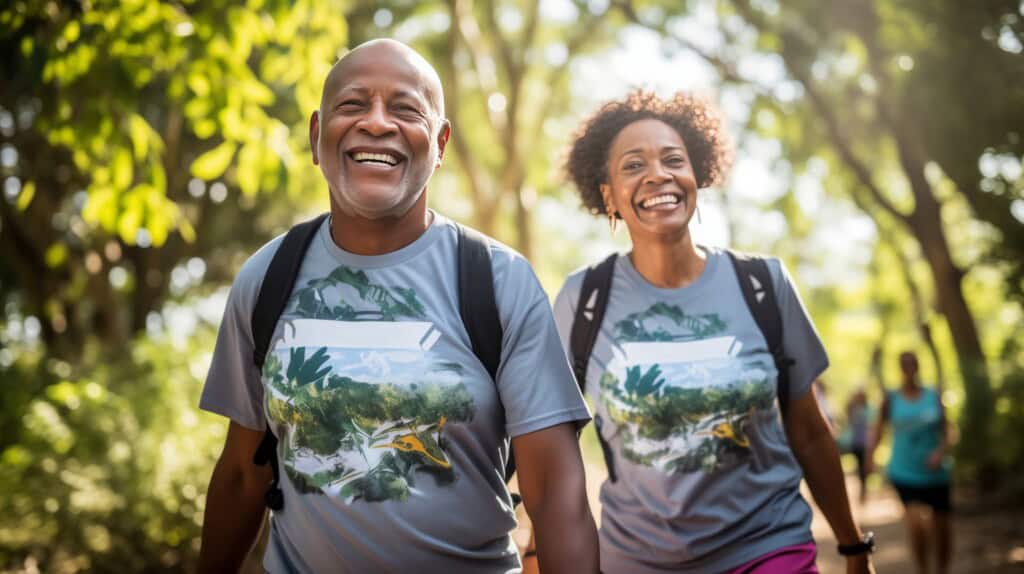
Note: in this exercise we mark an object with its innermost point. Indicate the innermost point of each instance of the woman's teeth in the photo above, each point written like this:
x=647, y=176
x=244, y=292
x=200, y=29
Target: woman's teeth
x=659, y=200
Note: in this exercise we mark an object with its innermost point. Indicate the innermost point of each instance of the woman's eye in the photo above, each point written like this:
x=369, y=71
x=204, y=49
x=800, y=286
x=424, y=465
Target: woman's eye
x=632, y=165
x=675, y=160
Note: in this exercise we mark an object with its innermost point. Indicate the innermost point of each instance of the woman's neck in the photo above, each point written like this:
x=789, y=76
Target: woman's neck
x=669, y=264
x=910, y=387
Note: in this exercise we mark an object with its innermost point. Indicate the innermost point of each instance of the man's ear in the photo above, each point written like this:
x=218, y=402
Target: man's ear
x=442, y=140
x=314, y=135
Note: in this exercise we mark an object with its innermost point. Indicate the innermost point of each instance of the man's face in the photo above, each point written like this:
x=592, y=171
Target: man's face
x=379, y=135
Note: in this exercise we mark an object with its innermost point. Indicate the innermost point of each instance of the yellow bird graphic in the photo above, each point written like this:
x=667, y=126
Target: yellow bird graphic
x=725, y=430
x=422, y=443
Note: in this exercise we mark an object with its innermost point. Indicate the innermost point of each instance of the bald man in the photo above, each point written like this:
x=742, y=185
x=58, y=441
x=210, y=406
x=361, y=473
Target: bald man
x=393, y=436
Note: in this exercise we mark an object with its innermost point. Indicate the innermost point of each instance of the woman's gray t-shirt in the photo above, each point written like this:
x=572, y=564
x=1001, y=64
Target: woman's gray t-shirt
x=684, y=392
x=393, y=437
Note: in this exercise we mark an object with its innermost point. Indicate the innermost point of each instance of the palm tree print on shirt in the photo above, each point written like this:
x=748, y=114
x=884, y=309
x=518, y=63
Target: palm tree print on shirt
x=362, y=423
x=682, y=396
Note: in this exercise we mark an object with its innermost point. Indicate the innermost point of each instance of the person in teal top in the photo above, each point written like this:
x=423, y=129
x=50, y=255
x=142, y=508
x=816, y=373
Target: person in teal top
x=919, y=468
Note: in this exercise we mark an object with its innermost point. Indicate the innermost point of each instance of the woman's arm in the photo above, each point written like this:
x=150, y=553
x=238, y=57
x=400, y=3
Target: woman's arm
x=553, y=486
x=936, y=456
x=815, y=450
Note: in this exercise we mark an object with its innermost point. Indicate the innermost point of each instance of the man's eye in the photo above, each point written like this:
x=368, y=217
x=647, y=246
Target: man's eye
x=349, y=105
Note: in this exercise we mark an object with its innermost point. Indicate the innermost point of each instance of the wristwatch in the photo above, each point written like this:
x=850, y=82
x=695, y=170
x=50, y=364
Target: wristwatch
x=866, y=545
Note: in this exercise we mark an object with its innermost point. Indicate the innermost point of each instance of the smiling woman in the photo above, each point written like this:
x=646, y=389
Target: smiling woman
x=687, y=383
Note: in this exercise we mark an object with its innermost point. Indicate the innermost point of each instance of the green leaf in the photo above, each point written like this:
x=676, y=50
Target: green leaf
x=121, y=169
x=130, y=219
x=28, y=191
x=204, y=129
x=56, y=255
x=214, y=163
x=249, y=168
x=199, y=83
x=139, y=132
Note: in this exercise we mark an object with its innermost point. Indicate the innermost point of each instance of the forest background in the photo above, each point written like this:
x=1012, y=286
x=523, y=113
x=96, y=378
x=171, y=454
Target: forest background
x=147, y=148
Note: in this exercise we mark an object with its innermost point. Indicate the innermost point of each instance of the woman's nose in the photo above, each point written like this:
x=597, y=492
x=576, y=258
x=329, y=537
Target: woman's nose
x=657, y=173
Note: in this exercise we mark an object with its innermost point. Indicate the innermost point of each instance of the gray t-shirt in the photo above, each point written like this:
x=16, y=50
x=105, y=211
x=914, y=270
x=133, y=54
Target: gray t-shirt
x=393, y=437
x=684, y=392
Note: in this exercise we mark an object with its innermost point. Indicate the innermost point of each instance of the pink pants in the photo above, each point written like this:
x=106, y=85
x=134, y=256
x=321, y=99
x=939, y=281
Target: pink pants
x=798, y=559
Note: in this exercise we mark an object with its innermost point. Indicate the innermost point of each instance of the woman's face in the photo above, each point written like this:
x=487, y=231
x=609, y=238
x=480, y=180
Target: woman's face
x=650, y=180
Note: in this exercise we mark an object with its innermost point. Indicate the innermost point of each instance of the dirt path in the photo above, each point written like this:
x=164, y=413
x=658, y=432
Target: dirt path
x=987, y=540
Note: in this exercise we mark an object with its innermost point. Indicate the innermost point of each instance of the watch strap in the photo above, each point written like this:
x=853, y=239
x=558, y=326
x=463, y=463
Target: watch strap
x=865, y=546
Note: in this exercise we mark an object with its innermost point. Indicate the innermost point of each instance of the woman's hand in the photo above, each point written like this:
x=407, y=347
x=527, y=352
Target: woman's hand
x=859, y=564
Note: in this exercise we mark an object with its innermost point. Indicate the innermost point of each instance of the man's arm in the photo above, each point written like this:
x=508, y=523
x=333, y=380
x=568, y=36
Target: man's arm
x=553, y=487
x=815, y=449
x=234, y=503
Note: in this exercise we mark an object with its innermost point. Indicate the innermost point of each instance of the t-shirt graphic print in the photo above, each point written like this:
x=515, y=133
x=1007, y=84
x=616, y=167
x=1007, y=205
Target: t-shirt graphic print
x=393, y=437
x=359, y=400
x=679, y=393
x=684, y=392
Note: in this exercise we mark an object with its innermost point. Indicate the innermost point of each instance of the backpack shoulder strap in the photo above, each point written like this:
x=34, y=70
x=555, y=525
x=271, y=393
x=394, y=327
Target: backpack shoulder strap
x=477, y=303
x=277, y=286
x=479, y=308
x=755, y=281
x=597, y=285
x=278, y=282
x=593, y=301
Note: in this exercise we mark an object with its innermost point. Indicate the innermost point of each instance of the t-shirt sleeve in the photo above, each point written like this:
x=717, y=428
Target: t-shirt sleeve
x=565, y=309
x=800, y=339
x=535, y=383
x=233, y=388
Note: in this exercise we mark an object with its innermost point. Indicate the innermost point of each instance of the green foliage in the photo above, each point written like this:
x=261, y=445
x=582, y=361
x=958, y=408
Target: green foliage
x=108, y=471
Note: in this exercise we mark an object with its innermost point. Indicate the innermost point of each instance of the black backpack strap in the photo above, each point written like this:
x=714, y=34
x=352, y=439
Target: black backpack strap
x=277, y=286
x=759, y=292
x=593, y=301
x=477, y=303
x=479, y=308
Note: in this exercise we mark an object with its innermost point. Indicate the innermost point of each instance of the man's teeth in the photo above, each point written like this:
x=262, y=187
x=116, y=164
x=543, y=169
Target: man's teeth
x=380, y=157
x=658, y=200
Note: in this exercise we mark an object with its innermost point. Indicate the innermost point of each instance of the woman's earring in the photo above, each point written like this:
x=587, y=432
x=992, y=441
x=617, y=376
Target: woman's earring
x=697, y=209
x=612, y=220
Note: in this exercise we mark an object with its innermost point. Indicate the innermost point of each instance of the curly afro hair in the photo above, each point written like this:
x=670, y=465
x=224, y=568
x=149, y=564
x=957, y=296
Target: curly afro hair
x=696, y=121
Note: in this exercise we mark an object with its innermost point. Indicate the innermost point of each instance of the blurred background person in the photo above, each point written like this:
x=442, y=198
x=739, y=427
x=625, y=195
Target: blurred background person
x=919, y=468
x=855, y=436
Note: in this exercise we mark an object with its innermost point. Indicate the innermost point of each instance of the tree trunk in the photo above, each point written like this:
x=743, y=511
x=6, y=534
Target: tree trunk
x=926, y=226
x=523, y=224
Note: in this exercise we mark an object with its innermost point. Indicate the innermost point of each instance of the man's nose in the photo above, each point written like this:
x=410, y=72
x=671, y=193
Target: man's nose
x=377, y=121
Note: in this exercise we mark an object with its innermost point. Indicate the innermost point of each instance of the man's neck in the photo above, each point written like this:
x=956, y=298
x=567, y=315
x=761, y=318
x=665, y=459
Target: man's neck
x=363, y=236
